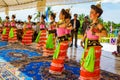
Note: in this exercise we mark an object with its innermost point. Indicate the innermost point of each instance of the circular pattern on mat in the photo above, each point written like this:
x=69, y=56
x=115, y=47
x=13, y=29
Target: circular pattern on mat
x=18, y=55
x=8, y=55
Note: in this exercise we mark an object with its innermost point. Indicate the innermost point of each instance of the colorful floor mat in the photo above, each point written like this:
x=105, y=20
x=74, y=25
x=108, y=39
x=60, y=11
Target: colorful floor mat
x=9, y=55
x=19, y=62
x=40, y=71
x=37, y=71
x=3, y=43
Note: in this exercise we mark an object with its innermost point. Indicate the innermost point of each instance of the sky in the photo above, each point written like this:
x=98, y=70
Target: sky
x=111, y=10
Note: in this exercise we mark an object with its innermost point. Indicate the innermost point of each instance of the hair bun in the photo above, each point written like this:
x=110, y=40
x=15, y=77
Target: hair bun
x=30, y=16
x=7, y=17
x=68, y=10
x=98, y=5
x=97, y=8
x=14, y=16
x=54, y=14
x=43, y=16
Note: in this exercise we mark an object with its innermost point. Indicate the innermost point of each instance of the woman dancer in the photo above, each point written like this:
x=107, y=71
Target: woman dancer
x=13, y=31
x=6, y=29
x=28, y=32
x=50, y=43
x=41, y=38
x=59, y=56
x=90, y=61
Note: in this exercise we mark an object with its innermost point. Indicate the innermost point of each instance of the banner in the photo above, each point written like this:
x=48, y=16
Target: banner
x=111, y=40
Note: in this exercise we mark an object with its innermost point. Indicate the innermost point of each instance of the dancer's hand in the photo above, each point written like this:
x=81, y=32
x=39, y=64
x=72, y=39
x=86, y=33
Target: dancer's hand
x=74, y=29
x=82, y=44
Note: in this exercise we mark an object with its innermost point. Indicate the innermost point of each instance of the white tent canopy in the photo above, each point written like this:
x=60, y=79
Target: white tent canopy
x=8, y=5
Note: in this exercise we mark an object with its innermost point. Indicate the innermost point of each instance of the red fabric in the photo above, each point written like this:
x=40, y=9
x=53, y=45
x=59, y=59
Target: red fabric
x=14, y=39
x=49, y=52
x=5, y=36
x=42, y=40
x=27, y=37
x=84, y=74
x=61, y=58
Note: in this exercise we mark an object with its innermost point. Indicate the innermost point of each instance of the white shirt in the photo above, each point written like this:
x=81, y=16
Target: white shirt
x=74, y=24
x=34, y=27
x=19, y=26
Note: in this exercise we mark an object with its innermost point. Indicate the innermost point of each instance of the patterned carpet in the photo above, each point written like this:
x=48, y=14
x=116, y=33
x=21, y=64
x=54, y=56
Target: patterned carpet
x=14, y=54
x=3, y=43
x=18, y=62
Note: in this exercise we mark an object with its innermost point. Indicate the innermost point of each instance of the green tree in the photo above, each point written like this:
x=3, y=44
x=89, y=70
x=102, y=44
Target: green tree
x=81, y=19
x=37, y=16
x=39, y=13
x=101, y=20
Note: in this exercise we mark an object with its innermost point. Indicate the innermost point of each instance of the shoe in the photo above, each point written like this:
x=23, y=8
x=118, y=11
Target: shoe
x=75, y=46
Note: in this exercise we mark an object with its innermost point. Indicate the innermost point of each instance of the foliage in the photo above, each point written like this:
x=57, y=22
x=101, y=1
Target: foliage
x=81, y=19
x=37, y=16
x=46, y=13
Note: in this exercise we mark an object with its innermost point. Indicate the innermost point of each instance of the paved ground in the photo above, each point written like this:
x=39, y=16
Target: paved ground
x=108, y=61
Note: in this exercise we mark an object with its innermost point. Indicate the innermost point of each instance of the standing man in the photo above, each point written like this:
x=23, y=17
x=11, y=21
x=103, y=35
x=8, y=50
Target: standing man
x=85, y=24
x=76, y=24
